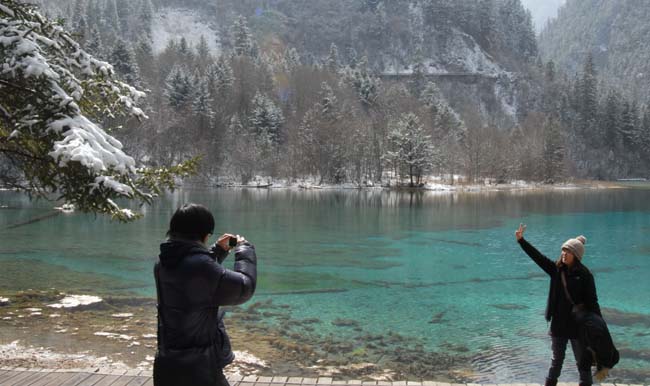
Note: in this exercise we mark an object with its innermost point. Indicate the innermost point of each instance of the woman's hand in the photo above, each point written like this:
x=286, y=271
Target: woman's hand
x=519, y=233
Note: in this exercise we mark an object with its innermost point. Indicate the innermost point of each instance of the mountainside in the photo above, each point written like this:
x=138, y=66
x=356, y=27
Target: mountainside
x=344, y=90
x=616, y=34
x=492, y=40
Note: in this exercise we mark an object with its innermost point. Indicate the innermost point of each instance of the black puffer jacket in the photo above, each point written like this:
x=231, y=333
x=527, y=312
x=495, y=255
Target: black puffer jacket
x=192, y=285
x=581, y=287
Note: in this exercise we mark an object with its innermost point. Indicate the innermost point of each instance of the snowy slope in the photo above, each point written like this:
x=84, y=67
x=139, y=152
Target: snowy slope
x=175, y=23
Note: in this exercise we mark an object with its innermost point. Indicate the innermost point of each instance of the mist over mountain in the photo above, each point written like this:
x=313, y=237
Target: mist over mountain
x=542, y=11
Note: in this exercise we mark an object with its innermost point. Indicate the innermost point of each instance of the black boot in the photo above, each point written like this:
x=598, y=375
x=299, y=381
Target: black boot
x=550, y=382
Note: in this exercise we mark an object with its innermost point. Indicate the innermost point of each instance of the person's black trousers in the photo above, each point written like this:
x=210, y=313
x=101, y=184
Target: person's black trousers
x=583, y=361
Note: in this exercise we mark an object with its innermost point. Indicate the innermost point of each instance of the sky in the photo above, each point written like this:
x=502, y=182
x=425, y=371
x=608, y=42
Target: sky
x=542, y=10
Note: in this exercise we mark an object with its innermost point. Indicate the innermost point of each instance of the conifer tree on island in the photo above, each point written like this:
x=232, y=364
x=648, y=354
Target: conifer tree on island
x=53, y=95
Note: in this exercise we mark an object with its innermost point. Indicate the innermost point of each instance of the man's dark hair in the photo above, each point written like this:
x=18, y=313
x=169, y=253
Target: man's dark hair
x=191, y=222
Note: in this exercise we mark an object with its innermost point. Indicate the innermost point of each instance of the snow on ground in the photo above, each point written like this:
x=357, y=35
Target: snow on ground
x=30, y=357
x=16, y=355
x=175, y=23
x=465, y=55
x=433, y=183
x=71, y=301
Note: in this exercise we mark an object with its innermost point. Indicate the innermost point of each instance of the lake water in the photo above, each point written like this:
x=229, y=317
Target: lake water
x=443, y=269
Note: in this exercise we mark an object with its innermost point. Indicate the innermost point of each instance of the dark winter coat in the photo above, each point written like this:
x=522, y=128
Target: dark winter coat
x=594, y=336
x=191, y=283
x=581, y=287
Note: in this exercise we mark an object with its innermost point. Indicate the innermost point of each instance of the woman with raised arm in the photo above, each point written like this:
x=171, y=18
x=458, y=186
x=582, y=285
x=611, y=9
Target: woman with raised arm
x=572, y=289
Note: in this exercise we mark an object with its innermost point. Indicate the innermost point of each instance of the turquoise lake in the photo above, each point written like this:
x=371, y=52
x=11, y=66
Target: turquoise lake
x=444, y=268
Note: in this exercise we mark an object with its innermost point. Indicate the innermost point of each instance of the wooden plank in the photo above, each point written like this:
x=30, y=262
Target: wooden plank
x=138, y=381
x=37, y=377
x=107, y=380
x=18, y=378
x=122, y=381
x=31, y=378
x=76, y=379
x=48, y=379
x=61, y=378
x=149, y=382
x=92, y=380
x=8, y=375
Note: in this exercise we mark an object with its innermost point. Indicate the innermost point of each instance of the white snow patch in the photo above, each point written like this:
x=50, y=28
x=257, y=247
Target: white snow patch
x=72, y=301
x=112, y=335
x=122, y=315
x=249, y=359
x=175, y=23
x=149, y=336
x=44, y=358
x=4, y=301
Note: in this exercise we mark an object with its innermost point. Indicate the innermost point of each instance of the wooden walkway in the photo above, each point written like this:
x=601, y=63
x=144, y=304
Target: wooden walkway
x=98, y=377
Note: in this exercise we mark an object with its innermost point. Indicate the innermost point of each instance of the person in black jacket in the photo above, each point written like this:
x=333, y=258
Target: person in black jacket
x=572, y=288
x=192, y=285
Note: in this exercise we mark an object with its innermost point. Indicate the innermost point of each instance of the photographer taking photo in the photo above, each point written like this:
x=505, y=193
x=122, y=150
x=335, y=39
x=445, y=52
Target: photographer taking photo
x=191, y=284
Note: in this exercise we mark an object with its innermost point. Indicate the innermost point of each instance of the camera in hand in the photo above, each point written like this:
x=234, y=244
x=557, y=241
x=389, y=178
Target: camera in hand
x=232, y=242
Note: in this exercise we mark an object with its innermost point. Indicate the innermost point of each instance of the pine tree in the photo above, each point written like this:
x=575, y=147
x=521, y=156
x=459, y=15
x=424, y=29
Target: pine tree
x=553, y=153
x=328, y=103
x=224, y=76
x=178, y=88
x=418, y=79
x=550, y=72
x=411, y=150
x=366, y=85
x=202, y=49
x=645, y=134
x=111, y=19
x=611, y=121
x=124, y=14
x=333, y=59
x=291, y=59
x=628, y=128
x=588, y=100
x=81, y=30
x=145, y=59
x=202, y=106
x=94, y=46
x=184, y=49
x=78, y=16
x=51, y=138
x=266, y=118
x=123, y=59
x=145, y=19
x=242, y=39
x=353, y=58
x=93, y=14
